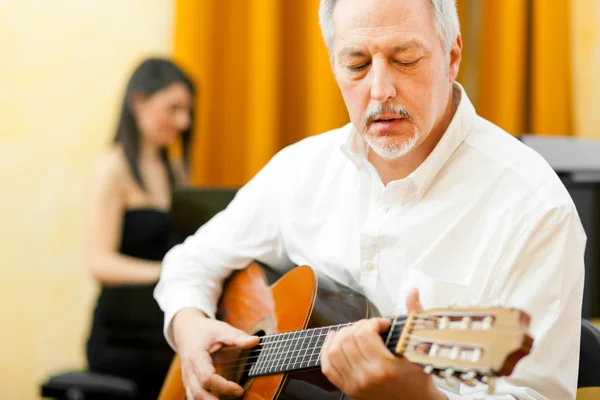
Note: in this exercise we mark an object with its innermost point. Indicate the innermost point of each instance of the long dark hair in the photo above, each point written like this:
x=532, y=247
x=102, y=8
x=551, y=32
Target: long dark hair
x=151, y=76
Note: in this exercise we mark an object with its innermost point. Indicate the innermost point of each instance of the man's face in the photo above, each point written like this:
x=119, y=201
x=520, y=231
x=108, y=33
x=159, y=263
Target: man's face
x=393, y=72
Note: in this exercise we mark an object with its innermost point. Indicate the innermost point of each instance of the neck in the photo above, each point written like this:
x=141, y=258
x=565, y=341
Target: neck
x=149, y=151
x=400, y=168
x=299, y=350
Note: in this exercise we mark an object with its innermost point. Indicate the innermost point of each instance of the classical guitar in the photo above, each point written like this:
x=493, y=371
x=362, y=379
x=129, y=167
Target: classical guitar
x=294, y=315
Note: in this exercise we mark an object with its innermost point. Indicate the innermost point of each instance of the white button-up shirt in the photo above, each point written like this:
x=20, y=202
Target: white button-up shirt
x=483, y=220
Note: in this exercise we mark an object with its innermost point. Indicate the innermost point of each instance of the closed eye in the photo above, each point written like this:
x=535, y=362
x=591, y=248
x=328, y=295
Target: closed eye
x=408, y=64
x=357, y=68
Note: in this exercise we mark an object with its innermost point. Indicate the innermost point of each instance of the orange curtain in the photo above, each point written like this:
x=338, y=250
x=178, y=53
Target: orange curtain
x=264, y=79
x=585, y=61
x=518, y=66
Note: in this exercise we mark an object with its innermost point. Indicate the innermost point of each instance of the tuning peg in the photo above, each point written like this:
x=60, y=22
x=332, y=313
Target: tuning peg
x=443, y=323
x=465, y=323
x=468, y=377
x=487, y=322
x=448, y=373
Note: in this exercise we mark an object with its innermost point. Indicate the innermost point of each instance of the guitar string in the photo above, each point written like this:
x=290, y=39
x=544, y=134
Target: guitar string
x=270, y=352
x=294, y=339
x=308, y=331
x=395, y=323
x=290, y=334
x=227, y=366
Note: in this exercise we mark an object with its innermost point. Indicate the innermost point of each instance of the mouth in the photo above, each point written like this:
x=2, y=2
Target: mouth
x=387, y=118
x=387, y=122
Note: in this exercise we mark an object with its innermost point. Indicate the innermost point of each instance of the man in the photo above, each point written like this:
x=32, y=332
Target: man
x=416, y=192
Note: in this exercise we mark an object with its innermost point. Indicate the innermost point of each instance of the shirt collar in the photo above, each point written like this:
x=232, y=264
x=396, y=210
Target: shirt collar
x=355, y=149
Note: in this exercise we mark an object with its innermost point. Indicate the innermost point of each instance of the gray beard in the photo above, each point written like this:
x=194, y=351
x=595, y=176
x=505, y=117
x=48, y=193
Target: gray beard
x=394, y=150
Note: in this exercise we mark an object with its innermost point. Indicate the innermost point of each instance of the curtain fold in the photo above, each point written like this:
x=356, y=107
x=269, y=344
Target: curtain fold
x=585, y=67
x=265, y=82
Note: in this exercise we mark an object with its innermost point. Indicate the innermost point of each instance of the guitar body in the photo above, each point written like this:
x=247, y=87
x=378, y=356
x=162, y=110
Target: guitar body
x=299, y=300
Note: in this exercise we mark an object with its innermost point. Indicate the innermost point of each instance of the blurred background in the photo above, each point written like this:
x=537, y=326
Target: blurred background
x=264, y=80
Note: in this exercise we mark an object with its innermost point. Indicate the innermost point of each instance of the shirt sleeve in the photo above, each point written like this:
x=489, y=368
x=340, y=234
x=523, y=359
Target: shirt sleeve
x=542, y=273
x=193, y=272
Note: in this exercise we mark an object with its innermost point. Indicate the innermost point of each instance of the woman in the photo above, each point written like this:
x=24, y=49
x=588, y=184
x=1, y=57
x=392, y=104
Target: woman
x=130, y=228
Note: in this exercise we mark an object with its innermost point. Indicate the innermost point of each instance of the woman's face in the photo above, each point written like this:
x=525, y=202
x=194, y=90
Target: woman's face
x=165, y=114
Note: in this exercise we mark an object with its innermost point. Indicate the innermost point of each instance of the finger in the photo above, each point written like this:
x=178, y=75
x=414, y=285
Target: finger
x=375, y=325
x=351, y=350
x=413, y=302
x=199, y=394
x=193, y=388
x=339, y=360
x=210, y=380
x=238, y=338
x=369, y=341
x=216, y=383
x=380, y=325
x=327, y=368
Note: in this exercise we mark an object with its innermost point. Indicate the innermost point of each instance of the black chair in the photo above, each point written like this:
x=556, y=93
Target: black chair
x=589, y=355
x=84, y=385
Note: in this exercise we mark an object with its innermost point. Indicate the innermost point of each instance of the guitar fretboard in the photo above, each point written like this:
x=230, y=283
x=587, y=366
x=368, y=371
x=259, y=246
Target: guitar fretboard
x=298, y=350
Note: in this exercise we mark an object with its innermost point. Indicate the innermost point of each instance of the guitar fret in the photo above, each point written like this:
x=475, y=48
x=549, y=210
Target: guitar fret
x=283, y=351
x=289, y=351
x=256, y=368
x=317, y=346
x=306, y=345
x=297, y=348
x=267, y=348
x=273, y=343
x=276, y=346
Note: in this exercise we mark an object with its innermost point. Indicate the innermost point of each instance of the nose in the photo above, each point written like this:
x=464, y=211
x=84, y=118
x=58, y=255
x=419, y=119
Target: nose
x=383, y=87
x=183, y=120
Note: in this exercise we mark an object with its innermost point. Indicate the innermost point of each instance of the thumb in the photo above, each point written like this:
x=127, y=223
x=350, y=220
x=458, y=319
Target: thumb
x=237, y=337
x=381, y=324
x=413, y=303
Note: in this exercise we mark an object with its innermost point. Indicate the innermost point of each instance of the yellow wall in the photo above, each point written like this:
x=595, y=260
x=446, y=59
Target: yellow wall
x=63, y=67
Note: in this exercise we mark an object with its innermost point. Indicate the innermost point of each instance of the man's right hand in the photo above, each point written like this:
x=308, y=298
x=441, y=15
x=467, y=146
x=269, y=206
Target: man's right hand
x=197, y=338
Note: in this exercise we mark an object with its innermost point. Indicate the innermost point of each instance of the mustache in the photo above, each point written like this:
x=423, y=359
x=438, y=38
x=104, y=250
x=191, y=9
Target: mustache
x=387, y=108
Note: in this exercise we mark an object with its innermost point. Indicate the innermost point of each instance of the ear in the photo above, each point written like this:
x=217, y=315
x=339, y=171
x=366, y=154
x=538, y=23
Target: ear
x=455, y=57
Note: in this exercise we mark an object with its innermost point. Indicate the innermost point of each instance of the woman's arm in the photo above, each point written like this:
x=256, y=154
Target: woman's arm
x=103, y=259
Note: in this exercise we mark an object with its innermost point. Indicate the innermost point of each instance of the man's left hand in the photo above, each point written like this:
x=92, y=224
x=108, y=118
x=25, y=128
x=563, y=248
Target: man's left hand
x=356, y=360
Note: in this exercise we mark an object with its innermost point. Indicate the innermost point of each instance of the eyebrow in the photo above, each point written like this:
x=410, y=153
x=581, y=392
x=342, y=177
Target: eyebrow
x=355, y=52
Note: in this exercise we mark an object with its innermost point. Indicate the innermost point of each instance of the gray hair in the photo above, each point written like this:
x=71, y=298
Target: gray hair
x=444, y=11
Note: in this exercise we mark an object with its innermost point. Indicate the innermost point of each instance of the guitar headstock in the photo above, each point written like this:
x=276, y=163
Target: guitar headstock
x=466, y=344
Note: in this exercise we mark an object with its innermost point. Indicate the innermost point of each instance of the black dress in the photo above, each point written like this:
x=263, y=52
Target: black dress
x=126, y=336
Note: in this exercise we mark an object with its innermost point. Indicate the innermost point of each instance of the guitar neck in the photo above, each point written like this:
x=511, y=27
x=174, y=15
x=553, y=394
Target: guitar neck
x=299, y=350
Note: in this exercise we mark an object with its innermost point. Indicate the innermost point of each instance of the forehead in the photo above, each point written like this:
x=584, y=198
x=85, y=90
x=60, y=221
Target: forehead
x=174, y=91
x=380, y=21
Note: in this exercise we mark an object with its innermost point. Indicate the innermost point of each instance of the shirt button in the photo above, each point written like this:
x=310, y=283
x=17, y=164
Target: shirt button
x=370, y=266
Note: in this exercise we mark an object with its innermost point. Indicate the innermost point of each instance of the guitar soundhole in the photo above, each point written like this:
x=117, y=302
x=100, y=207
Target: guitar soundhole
x=234, y=364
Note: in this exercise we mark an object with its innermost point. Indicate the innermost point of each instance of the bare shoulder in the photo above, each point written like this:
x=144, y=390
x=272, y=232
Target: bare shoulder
x=111, y=168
